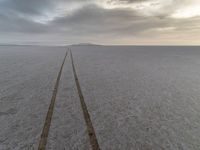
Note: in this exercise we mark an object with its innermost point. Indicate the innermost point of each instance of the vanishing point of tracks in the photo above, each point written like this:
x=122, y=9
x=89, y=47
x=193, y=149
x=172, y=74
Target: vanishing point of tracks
x=47, y=124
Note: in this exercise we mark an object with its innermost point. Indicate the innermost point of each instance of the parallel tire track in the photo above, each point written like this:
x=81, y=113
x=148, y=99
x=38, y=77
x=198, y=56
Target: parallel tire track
x=45, y=131
x=90, y=128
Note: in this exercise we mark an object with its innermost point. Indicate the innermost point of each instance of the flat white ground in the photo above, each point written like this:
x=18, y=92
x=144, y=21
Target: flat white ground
x=143, y=98
x=27, y=77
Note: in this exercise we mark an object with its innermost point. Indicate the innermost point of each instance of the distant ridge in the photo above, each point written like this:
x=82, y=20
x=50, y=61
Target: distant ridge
x=29, y=45
x=85, y=44
x=10, y=45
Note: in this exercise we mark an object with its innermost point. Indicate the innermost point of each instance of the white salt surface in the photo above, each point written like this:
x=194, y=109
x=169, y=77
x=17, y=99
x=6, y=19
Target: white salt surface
x=27, y=77
x=139, y=98
x=68, y=129
x=142, y=98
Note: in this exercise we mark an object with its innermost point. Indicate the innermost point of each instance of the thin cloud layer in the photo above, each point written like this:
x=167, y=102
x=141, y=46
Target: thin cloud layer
x=104, y=22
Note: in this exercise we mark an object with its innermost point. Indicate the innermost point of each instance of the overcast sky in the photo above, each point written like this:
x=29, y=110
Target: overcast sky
x=100, y=21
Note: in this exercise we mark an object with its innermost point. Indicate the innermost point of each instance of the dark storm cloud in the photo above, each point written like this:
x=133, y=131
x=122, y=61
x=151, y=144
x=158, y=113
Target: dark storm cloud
x=88, y=20
x=31, y=7
x=21, y=15
x=93, y=19
x=15, y=15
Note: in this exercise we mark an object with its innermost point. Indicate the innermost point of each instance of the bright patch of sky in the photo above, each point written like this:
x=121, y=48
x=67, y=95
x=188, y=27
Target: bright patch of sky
x=62, y=9
x=188, y=11
x=157, y=7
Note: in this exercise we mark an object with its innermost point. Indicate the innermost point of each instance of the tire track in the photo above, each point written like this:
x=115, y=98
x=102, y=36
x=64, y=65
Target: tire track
x=90, y=128
x=45, y=131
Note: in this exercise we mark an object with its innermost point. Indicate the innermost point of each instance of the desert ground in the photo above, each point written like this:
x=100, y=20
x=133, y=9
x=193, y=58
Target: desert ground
x=138, y=97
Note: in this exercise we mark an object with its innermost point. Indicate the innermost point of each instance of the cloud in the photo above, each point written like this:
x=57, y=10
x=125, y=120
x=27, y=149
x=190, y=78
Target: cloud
x=126, y=1
x=105, y=21
x=96, y=20
x=29, y=7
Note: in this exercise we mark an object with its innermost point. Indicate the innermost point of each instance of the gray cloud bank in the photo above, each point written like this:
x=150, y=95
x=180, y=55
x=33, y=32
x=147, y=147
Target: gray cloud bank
x=74, y=21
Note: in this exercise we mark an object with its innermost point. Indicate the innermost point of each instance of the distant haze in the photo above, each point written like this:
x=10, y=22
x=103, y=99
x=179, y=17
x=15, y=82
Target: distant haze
x=121, y=22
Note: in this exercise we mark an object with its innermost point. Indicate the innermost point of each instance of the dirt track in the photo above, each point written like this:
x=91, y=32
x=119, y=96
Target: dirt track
x=90, y=128
x=47, y=124
x=45, y=131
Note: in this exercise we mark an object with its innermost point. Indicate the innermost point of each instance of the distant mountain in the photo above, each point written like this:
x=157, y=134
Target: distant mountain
x=10, y=45
x=85, y=44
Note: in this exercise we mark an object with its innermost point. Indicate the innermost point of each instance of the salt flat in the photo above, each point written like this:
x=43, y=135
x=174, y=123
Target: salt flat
x=68, y=129
x=27, y=77
x=142, y=97
x=139, y=97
